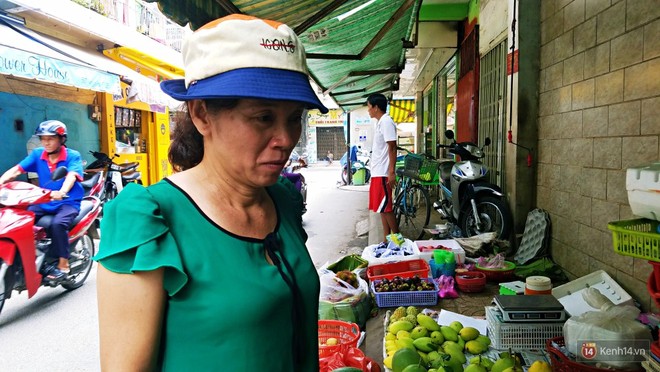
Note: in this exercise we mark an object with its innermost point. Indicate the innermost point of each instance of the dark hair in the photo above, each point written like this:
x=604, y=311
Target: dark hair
x=379, y=101
x=187, y=146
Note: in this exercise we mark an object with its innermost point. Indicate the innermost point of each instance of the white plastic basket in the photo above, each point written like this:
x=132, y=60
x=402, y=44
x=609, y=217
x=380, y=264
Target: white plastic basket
x=521, y=336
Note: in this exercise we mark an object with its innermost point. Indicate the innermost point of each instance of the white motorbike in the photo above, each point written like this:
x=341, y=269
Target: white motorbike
x=467, y=198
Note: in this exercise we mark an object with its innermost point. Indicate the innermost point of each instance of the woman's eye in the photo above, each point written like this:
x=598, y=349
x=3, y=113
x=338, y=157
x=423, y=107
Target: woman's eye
x=265, y=118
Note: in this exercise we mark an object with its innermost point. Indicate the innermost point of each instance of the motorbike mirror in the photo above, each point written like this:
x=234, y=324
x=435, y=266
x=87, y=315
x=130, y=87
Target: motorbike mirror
x=59, y=173
x=487, y=141
x=449, y=134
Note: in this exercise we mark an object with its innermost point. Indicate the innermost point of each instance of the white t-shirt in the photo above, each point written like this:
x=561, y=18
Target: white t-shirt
x=384, y=132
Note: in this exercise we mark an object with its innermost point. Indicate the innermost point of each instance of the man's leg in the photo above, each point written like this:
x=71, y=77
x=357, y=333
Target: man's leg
x=59, y=230
x=389, y=224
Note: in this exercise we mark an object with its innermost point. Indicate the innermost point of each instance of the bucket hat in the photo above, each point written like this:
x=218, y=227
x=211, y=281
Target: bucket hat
x=240, y=56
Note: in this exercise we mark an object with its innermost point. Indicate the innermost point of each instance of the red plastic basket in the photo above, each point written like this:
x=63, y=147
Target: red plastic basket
x=561, y=363
x=404, y=269
x=471, y=281
x=653, y=283
x=347, y=335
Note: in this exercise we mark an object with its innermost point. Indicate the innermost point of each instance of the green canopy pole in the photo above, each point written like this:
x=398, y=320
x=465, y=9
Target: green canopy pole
x=349, y=175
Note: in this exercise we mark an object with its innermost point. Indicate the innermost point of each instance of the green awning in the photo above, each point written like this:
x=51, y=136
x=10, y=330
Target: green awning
x=354, y=47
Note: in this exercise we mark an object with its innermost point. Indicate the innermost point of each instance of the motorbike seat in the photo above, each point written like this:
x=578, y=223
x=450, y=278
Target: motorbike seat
x=445, y=171
x=90, y=182
x=131, y=176
x=128, y=166
x=85, y=207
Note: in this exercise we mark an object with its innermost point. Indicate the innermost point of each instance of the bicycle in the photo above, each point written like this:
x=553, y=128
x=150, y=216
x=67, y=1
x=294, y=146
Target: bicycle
x=412, y=203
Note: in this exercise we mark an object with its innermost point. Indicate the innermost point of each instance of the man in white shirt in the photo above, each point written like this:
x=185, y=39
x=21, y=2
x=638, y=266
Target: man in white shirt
x=383, y=160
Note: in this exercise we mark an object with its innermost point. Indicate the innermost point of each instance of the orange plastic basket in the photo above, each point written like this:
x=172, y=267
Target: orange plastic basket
x=404, y=269
x=347, y=335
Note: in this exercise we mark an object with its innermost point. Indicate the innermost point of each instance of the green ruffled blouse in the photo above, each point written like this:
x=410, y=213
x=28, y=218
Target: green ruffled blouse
x=227, y=309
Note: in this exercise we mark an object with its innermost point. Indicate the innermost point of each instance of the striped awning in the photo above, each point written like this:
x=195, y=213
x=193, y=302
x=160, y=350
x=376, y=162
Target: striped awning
x=402, y=110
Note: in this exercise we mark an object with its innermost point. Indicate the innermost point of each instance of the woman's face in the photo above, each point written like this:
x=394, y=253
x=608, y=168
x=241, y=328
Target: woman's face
x=253, y=140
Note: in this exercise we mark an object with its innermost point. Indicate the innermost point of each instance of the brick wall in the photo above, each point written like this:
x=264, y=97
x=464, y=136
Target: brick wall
x=599, y=114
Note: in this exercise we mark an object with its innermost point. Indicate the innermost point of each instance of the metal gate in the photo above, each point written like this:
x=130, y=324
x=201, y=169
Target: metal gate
x=492, y=111
x=332, y=139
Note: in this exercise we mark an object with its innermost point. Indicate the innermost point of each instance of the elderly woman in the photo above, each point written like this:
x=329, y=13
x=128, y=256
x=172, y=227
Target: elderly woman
x=207, y=269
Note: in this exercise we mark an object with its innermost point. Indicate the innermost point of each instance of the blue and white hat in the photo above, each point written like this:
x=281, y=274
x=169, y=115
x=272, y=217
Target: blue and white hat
x=241, y=56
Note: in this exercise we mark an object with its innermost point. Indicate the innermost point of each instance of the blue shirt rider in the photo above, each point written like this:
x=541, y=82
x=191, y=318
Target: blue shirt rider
x=66, y=195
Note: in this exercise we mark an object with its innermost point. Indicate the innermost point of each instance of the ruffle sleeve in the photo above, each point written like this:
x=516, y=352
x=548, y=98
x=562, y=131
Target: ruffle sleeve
x=135, y=237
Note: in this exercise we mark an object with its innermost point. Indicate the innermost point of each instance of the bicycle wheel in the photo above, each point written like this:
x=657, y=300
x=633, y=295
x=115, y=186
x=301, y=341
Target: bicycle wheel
x=412, y=210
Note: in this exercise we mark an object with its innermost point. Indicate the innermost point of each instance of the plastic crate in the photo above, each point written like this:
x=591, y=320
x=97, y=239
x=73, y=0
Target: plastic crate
x=522, y=335
x=347, y=335
x=419, y=167
x=415, y=298
x=403, y=269
x=637, y=238
x=561, y=363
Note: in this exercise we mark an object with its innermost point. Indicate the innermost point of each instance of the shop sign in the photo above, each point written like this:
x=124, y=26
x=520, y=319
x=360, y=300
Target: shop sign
x=334, y=118
x=33, y=66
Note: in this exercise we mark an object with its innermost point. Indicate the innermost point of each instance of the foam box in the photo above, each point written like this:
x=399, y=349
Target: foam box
x=570, y=294
x=643, y=185
x=427, y=254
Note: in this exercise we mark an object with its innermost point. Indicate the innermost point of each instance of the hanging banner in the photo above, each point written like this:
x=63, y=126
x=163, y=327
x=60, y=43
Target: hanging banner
x=33, y=66
x=334, y=118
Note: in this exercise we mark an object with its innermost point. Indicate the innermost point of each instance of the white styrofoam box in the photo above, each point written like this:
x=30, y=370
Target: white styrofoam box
x=427, y=254
x=570, y=294
x=643, y=185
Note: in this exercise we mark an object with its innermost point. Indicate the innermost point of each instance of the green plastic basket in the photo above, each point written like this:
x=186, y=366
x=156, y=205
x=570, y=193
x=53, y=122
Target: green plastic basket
x=637, y=238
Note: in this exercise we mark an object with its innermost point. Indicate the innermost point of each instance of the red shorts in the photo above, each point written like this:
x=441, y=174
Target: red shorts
x=380, y=195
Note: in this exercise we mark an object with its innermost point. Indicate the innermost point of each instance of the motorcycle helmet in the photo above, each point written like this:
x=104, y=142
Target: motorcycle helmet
x=51, y=128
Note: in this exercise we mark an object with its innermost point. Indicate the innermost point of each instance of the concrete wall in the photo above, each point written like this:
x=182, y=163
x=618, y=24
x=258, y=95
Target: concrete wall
x=83, y=134
x=599, y=114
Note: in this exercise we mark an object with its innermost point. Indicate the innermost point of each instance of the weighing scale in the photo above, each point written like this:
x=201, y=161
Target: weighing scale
x=531, y=308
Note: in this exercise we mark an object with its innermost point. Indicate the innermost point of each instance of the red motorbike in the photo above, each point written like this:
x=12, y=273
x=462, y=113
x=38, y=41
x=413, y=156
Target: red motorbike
x=24, y=244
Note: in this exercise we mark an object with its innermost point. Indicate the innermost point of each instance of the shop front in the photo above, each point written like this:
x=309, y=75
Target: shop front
x=135, y=132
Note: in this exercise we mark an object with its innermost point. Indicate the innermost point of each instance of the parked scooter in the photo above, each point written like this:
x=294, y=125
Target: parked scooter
x=299, y=182
x=113, y=175
x=467, y=198
x=24, y=244
x=296, y=162
x=359, y=160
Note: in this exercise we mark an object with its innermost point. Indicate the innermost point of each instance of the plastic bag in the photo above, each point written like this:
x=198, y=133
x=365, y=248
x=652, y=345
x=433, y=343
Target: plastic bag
x=495, y=262
x=375, y=253
x=338, y=300
x=446, y=287
x=335, y=290
x=353, y=357
x=614, y=325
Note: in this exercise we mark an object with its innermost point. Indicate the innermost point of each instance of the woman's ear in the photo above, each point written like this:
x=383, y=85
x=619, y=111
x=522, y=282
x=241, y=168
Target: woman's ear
x=200, y=116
